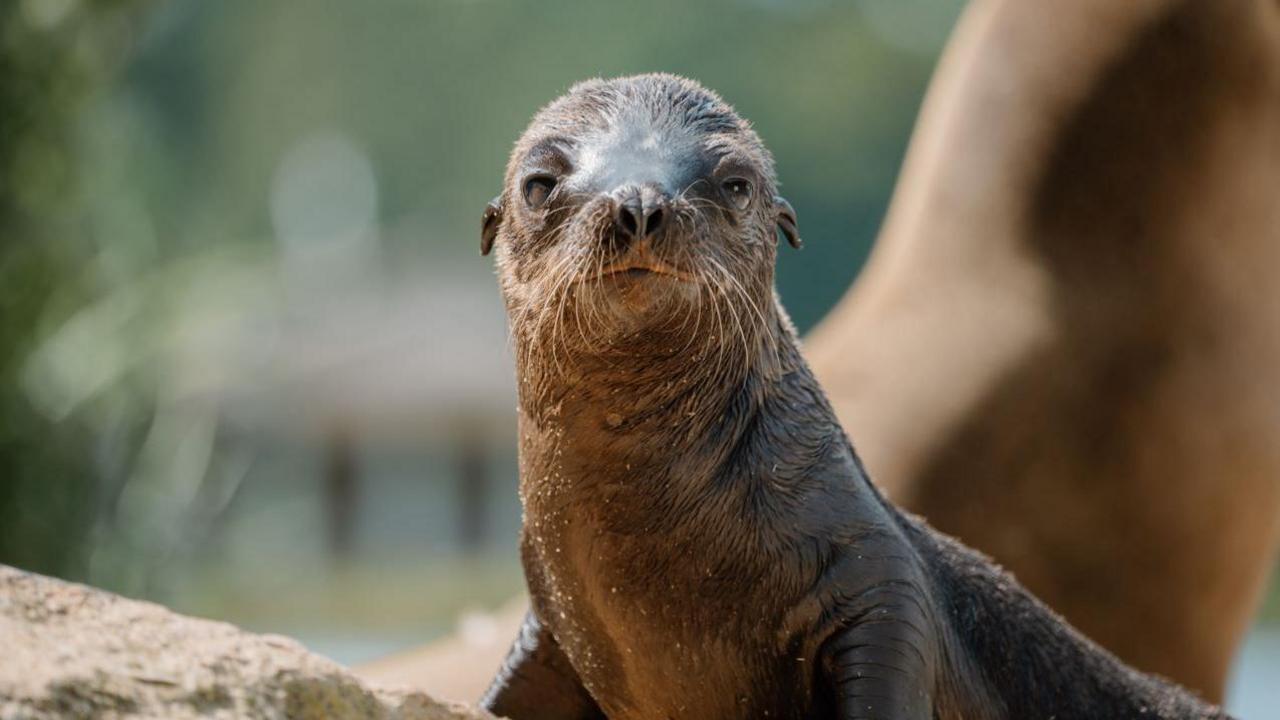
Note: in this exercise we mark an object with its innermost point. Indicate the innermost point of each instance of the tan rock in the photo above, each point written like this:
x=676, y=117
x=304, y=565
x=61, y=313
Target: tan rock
x=70, y=651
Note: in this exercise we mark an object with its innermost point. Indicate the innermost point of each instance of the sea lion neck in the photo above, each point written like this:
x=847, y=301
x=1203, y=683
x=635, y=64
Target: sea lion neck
x=699, y=412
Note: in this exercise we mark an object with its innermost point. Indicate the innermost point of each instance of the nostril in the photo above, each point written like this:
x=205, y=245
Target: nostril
x=654, y=222
x=627, y=220
x=638, y=213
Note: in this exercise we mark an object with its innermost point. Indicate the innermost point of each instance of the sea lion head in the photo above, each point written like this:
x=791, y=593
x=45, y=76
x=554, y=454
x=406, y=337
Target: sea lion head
x=637, y=215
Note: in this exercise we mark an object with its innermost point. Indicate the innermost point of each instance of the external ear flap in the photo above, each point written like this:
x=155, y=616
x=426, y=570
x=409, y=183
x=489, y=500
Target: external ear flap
x=787, y=221
x=489, y=224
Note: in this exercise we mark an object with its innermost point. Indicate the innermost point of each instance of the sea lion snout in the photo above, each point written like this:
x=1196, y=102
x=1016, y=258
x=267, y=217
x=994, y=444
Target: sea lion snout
x=639, y=211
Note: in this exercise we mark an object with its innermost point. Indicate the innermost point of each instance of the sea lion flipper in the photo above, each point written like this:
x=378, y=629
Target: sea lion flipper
x=882, y=663
x=537, y=681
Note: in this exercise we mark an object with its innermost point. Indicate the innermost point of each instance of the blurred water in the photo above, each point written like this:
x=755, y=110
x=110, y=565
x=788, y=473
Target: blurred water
x=356, y=649
x=1254, y=693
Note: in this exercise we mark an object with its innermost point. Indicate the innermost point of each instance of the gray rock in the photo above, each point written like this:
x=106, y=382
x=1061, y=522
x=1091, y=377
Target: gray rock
x=70, y=651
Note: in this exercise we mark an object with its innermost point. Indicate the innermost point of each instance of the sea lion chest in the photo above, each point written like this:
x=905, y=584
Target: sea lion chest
x=669, y=610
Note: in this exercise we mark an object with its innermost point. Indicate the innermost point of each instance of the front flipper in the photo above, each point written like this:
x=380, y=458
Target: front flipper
x=881, y=664
x=536, y=681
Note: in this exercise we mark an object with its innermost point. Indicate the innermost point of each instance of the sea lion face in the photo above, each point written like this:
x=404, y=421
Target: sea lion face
x=635, y=210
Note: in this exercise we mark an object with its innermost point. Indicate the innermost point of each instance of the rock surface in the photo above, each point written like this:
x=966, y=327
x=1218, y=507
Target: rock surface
x=70, y=651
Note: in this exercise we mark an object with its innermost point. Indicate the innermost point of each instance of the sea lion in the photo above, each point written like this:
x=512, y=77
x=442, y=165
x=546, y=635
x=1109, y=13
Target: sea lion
x=1064, y=348
x=700, y=538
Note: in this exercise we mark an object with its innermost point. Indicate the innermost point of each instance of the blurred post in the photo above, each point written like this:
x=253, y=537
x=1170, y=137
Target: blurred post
x=475, y=489
x=342, y=492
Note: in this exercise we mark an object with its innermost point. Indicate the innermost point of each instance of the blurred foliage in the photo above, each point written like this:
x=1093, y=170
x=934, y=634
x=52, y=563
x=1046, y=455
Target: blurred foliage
x=435, y=93
x=53, y=55
x=1270, y=611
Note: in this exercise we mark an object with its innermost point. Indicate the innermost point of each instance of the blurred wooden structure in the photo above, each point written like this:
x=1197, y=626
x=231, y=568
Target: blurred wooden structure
x=354, y=365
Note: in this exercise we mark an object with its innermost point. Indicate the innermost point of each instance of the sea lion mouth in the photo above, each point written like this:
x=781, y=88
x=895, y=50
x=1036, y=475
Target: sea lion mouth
x=645, y=268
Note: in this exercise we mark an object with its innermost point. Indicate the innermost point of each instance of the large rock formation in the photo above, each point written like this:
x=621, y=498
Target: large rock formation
x=70, y=651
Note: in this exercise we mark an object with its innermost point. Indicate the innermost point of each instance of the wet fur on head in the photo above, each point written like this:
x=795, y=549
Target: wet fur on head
x=714, y=302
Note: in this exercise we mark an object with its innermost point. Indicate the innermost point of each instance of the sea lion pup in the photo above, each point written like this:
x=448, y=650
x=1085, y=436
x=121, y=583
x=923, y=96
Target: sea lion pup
x=700, y=539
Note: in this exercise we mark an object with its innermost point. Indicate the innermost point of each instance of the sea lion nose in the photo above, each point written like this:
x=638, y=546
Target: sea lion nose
x=639, y=211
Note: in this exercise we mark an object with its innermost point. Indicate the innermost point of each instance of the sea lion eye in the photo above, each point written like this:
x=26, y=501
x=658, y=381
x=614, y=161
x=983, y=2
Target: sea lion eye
x=537, y=189
x=738, y=191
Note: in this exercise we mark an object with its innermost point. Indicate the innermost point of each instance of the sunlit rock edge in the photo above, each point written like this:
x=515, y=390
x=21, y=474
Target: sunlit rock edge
x=71, y=651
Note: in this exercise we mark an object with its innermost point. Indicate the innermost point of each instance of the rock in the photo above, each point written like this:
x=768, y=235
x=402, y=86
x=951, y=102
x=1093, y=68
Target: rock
x=70, y=651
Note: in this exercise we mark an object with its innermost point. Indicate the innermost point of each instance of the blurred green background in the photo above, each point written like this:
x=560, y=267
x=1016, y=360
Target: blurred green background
x=253, y=366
